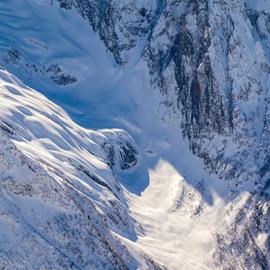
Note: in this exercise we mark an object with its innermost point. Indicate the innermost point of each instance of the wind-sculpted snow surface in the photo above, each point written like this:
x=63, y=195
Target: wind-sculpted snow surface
x=188, y=80
x=60, y=204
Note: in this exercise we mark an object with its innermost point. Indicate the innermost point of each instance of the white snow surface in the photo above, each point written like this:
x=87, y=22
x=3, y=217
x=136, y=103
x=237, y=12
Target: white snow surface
x=169, y=228
x=172, y=209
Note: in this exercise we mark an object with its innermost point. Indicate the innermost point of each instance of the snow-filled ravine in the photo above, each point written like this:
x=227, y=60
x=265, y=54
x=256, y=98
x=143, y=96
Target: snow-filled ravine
x=162, y=203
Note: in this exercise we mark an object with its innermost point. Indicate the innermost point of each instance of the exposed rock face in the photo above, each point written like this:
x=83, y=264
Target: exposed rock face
x=54, y=72
x=221, y=72
x=121, y=151
x=244, y=243
x=209, y=60
x=120, y=24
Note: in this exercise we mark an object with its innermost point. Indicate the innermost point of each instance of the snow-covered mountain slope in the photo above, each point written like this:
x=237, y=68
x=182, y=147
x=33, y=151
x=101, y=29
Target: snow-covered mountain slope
x=188, y=81
x=60, y=202
x=62, y=194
